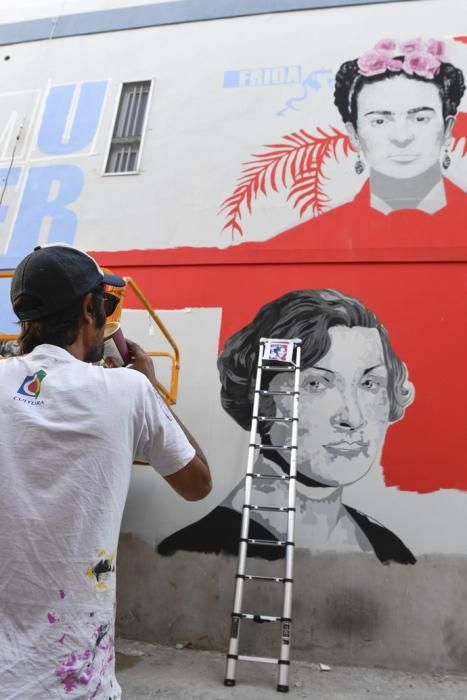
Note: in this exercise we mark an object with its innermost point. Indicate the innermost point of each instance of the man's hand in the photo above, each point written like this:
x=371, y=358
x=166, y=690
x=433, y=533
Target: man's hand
x=141, y=361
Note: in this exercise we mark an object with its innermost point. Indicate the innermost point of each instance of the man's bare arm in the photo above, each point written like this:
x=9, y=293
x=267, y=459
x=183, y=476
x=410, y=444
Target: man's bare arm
x=193, y=481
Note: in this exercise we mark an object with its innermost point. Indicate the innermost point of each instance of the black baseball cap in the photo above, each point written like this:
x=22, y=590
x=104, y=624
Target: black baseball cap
x=53, y=277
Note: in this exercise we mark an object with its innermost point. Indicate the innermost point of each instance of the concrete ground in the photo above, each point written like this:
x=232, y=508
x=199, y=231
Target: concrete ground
x=168, y=673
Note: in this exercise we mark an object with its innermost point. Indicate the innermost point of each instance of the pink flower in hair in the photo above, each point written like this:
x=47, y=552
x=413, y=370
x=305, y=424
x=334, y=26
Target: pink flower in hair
x=395, y=65
x=373, y=62
x=423, y=64
x=411, y=45
x=385, y=45
x=436, y=48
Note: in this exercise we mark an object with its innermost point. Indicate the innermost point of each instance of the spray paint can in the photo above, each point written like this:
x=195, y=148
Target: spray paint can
x=115, y=345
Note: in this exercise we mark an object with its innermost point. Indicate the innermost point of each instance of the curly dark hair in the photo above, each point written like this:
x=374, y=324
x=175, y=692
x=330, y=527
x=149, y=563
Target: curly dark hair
x=349, y=82
x=307, y=314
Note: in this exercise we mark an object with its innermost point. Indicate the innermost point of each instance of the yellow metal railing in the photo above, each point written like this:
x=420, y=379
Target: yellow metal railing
x=170, y=393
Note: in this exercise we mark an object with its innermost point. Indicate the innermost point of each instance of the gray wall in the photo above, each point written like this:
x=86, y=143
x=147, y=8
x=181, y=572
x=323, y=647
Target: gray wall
x=348, y=609
x=129, y=15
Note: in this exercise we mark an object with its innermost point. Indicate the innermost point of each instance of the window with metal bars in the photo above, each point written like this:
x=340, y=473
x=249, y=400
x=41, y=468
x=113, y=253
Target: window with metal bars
x=128, y=130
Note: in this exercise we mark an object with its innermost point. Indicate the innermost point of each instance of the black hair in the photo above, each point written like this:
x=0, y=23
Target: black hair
x=307, y=314
x=60, y=328
x=349, y=82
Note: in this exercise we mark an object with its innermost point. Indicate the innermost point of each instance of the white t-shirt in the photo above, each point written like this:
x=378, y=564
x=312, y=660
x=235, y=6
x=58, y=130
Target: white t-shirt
x=69, y=432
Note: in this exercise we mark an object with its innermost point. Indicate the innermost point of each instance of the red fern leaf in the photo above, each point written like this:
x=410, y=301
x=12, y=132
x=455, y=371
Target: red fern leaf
x=309, y=196
x=322, y=133
x=231, y=200
x=233, y=224
x=308, y=187
x=347, y=146
x=293, y=164
x=298, y=162
x=296, y=138
x=273, y=175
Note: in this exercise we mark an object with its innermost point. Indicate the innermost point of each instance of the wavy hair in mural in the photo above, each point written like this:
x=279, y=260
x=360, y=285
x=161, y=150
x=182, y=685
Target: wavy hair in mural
x=353, y=386
x=308, y=314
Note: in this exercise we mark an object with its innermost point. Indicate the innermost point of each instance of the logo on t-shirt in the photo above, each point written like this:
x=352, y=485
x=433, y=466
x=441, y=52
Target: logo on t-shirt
x=32, y=384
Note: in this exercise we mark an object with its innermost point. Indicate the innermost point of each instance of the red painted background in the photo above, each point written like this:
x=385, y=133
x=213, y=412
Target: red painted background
x=409, y=267
x=421, y=303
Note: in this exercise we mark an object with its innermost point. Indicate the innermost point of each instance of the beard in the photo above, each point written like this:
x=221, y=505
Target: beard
x=95, y=352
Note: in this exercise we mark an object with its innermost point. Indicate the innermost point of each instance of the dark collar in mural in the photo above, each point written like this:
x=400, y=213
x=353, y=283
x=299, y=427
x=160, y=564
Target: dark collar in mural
x=219, y=532
x=387, y=546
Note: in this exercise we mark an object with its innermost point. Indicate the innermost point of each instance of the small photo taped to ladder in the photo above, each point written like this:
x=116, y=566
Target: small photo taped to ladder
x=279, y=350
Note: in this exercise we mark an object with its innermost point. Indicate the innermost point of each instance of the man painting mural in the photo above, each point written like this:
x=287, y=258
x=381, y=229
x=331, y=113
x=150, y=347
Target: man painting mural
x=69, y=431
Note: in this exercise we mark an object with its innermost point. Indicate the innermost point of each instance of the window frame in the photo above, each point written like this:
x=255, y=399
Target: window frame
x=137, y=170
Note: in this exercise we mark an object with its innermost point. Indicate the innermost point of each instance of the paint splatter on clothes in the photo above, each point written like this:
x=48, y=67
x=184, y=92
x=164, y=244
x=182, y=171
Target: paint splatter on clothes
x=88, y=669
x=69, y=432
x=78, y=648
x=101, y=570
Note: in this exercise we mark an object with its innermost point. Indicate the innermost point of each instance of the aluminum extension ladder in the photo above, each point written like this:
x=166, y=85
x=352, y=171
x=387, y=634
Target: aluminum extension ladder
x=275, y=355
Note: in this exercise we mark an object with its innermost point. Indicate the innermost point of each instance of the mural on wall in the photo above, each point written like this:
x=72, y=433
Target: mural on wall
x=401, y=126
x=353, y=386
x=398, y=103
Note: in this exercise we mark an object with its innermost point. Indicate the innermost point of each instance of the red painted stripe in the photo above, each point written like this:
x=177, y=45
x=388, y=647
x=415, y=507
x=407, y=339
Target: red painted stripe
x=253, y=254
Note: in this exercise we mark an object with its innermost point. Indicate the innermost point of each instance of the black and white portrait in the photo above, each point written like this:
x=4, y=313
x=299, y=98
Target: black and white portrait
x=353, y=386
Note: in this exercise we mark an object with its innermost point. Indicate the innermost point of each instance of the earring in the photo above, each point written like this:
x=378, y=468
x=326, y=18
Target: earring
x=359, y=165
x=446, y=162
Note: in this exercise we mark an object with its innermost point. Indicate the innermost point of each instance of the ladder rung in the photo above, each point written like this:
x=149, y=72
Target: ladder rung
x=282, y=477
x=258, y=659
x=289, y=341
x=271, y=543
x=280, y=368
x=266, y=419
x=258, y=618
x=272, y=509
x=260, y=446
x=266, y=392
x=275, y=579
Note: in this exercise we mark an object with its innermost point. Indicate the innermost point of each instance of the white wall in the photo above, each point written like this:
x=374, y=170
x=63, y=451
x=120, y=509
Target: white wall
x=198, y=132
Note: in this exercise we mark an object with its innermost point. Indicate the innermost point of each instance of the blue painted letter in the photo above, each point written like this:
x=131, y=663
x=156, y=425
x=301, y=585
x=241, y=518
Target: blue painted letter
x=85, y=121
x=13, y=178
x=36, y=205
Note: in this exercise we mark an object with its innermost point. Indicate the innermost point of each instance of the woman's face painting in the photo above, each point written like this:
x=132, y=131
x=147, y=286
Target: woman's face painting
x=400, y=127
x=344, y=408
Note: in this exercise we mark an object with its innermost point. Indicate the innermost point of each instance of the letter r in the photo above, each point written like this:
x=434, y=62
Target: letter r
x=37, y=205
